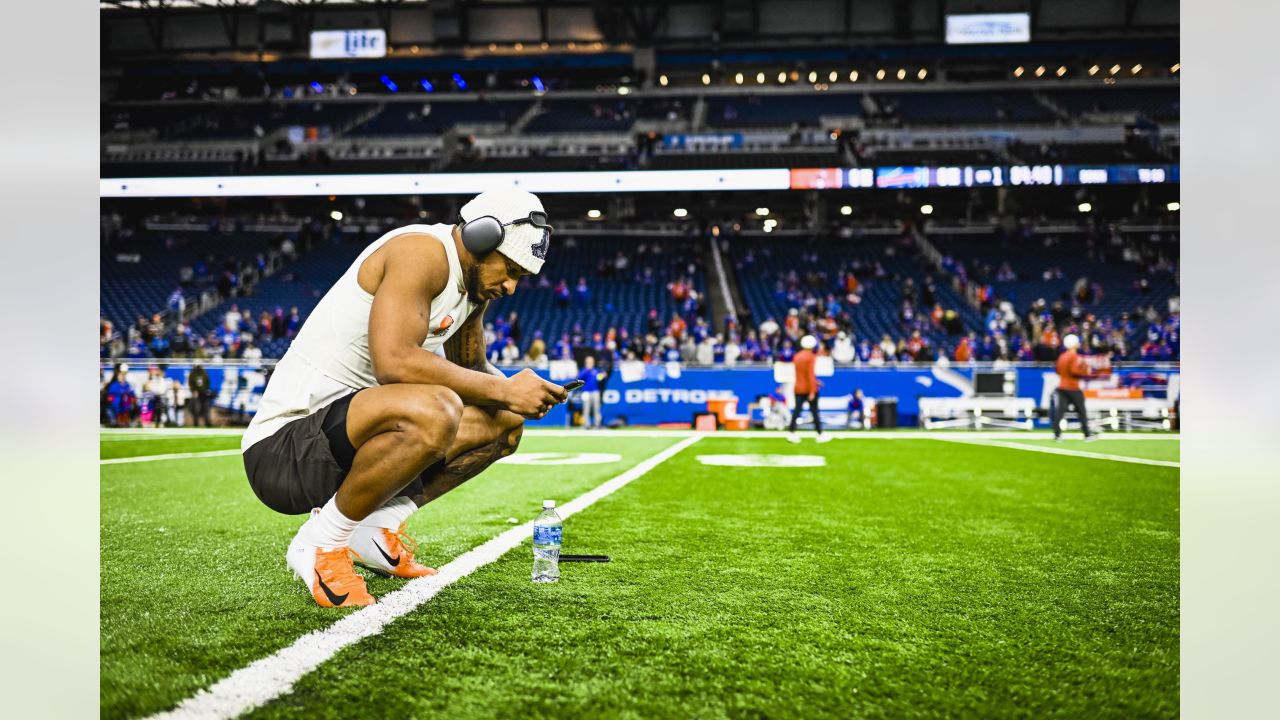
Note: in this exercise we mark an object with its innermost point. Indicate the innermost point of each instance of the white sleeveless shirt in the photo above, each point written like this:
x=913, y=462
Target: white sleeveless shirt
x=329, y=358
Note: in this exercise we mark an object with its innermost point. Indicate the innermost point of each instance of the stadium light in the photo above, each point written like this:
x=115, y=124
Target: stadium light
x=762, y=211
x=1175, y=68
x=336, y=215
x=1115, y=69
x=1017, y=72
x=1137, y=68
x=782, y=77
x=680, y=212
x=624, y=90
x=926, y=209
x=853, y=76
x=1085, y=207
x=519, y=47
x=922, y=74
x=389, y=83
x=459, y=82
x=902, y=73
x=593, y=214
x=813, y=76
x=880, y=74
x=428, y=87
x=706, y=79
x=1094, y=70
x=493, y=47
x=1174, y=206
x=737, y=78
x=1062, y=70
x=544, y=45
x=1040, y=71
x=846, y=210
x=760, y=78
x=662, y=80
x=834, y=76
x=768, y=228
x=795, y=76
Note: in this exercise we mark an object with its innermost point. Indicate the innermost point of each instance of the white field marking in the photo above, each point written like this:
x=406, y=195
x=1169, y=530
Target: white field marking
x=770, y=461
x=1064, y=451
x=560, y=458
x=264, y=680
x=170, y=456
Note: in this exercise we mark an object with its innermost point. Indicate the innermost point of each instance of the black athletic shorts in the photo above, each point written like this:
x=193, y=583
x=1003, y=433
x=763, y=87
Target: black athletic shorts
x=301, y=466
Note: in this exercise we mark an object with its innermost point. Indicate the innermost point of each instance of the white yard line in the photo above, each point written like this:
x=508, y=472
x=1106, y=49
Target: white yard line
x=264, y=680
x=1064, y=451
x=170, y=456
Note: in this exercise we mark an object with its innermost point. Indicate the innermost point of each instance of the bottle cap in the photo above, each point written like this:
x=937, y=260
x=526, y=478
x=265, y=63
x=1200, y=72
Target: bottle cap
x=548, y=504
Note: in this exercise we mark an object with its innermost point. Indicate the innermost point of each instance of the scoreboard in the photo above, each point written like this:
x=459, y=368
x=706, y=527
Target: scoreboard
x=980, y=176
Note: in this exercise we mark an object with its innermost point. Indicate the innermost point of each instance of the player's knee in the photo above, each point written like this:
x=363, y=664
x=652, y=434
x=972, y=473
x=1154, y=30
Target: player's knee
x=431, y=415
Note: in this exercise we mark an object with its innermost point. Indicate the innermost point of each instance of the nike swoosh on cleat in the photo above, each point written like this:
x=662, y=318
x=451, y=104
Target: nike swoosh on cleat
x=335, y=599
x=394, y=561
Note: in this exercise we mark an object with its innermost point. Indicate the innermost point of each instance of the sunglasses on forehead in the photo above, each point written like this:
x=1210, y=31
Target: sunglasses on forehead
x=485, y=233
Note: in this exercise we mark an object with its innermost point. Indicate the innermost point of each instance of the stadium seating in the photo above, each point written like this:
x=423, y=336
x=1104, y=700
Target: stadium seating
x=1030, y=258
x=138, y=274
x=618, y=300
x=876, y=315
x=963, y=108
x=779, y=110
x=299, y=284
x=1156, y=103
x=434, y=118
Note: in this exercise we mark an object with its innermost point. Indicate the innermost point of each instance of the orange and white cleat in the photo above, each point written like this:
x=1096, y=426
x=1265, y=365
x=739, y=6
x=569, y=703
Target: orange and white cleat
x=387, y=552
x=328, y=574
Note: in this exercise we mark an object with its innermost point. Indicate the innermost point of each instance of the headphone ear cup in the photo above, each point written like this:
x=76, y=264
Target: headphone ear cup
x=482, y=235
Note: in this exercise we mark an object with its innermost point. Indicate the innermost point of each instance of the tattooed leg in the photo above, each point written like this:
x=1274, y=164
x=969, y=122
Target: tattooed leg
x=503, y=433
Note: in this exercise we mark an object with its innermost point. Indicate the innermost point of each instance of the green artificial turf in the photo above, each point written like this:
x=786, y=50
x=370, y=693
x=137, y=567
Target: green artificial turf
x=908, y=578
x=122, y=446
x=193, y=580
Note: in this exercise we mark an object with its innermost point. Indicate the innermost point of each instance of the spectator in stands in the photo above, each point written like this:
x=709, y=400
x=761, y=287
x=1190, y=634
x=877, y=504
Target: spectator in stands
x=109, y=344
x=294, y=322
x=964, y=350
x=842, y=351
x=510, y=352
x=201, y=395
x=705, y=352
x=537, y=349
x=252, y=355
x=177, y=304
x=231, y=321
x=582, y=293
x=562, y=294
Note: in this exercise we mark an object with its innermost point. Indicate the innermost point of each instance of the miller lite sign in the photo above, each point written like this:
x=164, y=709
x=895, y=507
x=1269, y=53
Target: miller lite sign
x=349, y=43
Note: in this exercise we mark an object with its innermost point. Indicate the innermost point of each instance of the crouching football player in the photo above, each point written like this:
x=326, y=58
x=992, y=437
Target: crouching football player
x=363, y=422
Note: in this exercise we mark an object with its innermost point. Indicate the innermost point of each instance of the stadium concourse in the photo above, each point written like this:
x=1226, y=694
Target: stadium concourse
x=942, y=199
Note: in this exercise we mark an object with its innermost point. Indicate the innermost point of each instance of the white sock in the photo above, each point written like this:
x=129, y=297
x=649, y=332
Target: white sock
x=330, y=528
x=389, y=516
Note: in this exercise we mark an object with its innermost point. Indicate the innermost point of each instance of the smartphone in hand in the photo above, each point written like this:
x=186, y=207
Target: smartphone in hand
x=574, y=385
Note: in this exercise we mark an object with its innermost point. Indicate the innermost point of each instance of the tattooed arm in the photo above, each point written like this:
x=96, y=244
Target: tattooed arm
x=466, y=347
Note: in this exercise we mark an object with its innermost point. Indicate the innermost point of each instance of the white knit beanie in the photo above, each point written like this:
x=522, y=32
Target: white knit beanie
x=525, y=244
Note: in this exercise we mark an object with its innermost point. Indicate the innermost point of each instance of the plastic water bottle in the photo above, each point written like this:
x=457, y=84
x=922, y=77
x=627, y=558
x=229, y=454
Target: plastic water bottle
x=548, y=530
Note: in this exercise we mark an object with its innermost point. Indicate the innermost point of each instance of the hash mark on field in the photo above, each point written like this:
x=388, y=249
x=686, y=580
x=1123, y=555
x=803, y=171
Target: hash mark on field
x=264, y=680
x=1064, y=451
